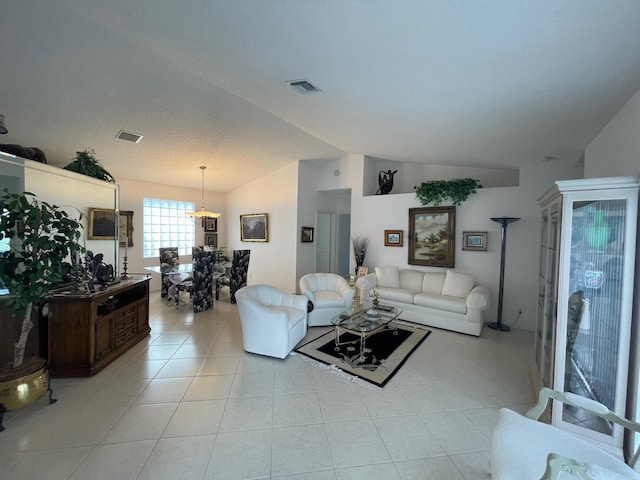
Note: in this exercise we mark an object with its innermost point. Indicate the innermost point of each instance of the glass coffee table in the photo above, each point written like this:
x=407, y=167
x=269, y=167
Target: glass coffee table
x=364, y=320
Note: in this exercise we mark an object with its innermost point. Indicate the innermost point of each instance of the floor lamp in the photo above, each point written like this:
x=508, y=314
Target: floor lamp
x=504, y=221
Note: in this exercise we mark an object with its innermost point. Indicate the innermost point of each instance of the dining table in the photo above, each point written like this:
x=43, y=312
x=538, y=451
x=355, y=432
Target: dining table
x=177, y=274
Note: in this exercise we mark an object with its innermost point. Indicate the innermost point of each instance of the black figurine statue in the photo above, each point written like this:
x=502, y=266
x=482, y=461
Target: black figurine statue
x=385, y=181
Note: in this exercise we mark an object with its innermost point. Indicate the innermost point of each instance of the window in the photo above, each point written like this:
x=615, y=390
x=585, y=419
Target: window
x=165, y=224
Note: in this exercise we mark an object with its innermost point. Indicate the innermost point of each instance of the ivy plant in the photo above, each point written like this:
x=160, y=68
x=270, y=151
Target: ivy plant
x=437, y=191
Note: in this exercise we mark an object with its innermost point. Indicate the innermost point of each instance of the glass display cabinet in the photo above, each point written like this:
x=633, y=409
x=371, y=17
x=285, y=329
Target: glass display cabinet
x=587, y=262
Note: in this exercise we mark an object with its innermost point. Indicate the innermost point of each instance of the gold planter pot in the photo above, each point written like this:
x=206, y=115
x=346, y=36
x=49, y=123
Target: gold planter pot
x=23, y=391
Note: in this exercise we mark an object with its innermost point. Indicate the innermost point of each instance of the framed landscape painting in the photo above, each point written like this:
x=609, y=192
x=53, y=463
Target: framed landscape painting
x=432, y=236
x=102, y=224
x=254, y=227
x=393, y=238
x=474, y=241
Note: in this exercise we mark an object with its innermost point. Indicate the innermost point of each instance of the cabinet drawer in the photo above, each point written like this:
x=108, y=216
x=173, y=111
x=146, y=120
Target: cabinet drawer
x=125, y=312
x=124, y=328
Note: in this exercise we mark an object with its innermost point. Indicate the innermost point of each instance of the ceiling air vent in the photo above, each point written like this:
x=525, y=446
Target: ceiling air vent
x=129, y=137
x=303, y=86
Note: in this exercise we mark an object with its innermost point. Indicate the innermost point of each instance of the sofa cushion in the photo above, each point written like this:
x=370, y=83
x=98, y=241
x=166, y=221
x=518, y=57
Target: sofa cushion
x=327, y=299
x=458, y=284
x=432, y=282
x=411, y=280
x=388, y=277
x=395, y=294
x=440, y=302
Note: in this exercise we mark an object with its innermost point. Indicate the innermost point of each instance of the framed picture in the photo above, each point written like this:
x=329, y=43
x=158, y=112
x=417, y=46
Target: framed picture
x=474, y=241
x=254, y=227
x=307, y=235
x=211, y=240
x=393, y=238
x=125, y=230
x=362, y=271
x=210, y=224
x=432, y=236
x=102, y=224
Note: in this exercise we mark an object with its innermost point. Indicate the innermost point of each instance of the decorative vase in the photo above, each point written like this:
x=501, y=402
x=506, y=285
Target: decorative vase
x=598, y=233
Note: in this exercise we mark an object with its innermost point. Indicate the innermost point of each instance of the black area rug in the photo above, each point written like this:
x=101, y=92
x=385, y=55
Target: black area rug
x=385, y=351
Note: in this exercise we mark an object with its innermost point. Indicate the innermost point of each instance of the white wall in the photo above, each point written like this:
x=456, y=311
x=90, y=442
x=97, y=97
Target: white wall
x=410, y=175
x=372, y=214
x=616, y=149
x=132, y=194
x=73, y=192
x=272, y=262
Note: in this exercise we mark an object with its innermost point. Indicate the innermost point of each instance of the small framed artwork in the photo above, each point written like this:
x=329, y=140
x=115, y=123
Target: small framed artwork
x=210, y=224
x=254, y=227
x=393, y=238
x=211, y=240
x=362, y=271
x=125, y=230
x=102, y=224
x=432, y=236
x=307, y=235
x=474, y=241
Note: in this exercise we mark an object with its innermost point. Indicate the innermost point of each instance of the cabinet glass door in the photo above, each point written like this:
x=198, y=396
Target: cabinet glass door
x=546, y=324
x=592, y=363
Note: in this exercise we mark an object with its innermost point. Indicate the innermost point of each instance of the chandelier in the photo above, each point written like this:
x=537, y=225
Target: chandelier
x=202, y=212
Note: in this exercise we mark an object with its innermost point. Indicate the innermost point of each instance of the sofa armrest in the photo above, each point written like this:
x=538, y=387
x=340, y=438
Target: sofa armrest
x=478, y=298
x=300, y=302
x=365, y=284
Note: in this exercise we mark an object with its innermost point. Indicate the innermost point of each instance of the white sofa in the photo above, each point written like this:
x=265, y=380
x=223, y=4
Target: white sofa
x=450, y=300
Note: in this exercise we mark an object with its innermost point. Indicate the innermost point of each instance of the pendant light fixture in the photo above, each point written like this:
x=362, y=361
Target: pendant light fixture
x=202, y=212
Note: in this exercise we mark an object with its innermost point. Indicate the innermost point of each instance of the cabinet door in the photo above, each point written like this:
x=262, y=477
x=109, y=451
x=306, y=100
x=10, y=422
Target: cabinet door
x=547, y=294
x=104, y=335
x=594, y=309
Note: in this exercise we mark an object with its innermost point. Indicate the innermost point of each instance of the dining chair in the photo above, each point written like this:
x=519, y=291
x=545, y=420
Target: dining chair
x=202, y=279
x=238, y=275
x=168, y=257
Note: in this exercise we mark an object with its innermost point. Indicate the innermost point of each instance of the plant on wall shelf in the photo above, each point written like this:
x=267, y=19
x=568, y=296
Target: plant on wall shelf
x=437, y=191
x=87, y=164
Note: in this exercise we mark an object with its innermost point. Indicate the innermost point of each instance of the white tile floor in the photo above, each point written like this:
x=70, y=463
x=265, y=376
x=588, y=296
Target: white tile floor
x=188, y=403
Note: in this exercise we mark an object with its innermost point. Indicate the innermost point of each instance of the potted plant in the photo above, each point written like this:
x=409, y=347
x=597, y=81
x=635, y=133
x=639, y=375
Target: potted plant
x=437, y=191
x=87, y=164
x=41, y=237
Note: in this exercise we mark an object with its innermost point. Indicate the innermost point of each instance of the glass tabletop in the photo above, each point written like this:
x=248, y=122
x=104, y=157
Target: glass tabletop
x=366, y=317
x=170, y=269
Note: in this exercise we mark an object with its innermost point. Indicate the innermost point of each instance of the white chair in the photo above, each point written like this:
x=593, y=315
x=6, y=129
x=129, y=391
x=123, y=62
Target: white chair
x=524, y=449
x=273, y=321
x=329, y=295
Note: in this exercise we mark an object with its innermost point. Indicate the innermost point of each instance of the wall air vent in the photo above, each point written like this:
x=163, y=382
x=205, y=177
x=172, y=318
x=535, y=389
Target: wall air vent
x=303, y=86
x=128, y=136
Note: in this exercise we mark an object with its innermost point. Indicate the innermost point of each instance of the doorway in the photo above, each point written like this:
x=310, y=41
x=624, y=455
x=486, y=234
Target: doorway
x=333, y=247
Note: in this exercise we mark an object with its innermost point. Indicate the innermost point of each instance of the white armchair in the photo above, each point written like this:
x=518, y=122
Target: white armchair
x=273, y=321
x=524, y=449
x=329, y=294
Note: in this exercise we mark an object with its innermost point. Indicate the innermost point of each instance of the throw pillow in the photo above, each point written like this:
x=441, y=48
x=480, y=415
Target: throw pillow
x=457, y=284
x=388, y=277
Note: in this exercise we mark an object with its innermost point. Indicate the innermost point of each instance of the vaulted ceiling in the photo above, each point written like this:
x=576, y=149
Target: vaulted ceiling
x=446, y=82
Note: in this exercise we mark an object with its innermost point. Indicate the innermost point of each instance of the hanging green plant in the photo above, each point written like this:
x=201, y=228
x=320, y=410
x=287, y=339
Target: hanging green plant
x=87, y=164
x=437, y=191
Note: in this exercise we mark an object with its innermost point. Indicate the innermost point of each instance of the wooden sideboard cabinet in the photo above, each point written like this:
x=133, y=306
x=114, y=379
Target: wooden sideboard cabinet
x=88, y=332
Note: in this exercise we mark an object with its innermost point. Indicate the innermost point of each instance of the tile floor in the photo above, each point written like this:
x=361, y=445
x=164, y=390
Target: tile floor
x=188, y=403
